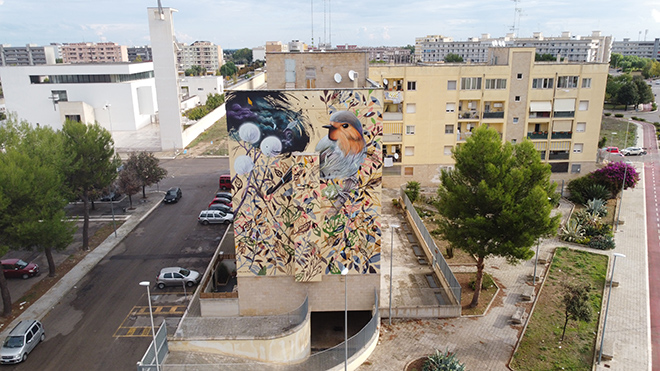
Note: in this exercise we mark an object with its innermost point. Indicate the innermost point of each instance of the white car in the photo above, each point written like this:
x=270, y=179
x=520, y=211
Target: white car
x=215, y=216
x=633, y=151
x=177, y=276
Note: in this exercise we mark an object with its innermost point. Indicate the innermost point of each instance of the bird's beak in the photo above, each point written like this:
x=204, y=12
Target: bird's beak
x=327, y=126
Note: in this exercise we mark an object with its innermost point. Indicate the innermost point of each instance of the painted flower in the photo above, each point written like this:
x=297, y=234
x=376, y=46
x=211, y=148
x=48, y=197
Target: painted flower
x=271, y=146
x=249, y=132
x=243, y=164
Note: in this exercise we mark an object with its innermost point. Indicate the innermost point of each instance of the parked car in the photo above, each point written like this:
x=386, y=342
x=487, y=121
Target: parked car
x=612, y=149
x=225, y=182
x=173, y=195
x=21, y=341
x=633, y=151
x=177, y=276
x=222, y=207
x=112, y=196
x=223, y=201
x=226, y=195
x=15, y=268
x=214, y=217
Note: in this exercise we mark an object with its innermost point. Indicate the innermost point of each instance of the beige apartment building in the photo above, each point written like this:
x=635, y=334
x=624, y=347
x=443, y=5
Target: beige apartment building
x=431, y=109
x=94, y=53
x=200, y=53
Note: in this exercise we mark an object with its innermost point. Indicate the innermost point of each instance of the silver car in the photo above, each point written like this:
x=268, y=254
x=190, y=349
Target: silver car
x=177, y=276
x=21, y=340
x=633, y=151
x=215, y=216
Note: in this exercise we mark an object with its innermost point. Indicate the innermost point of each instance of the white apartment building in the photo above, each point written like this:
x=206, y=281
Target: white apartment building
x=119, y=96
x=594, y=48
x=643, y=49
x=200, y=53
x=200, y=86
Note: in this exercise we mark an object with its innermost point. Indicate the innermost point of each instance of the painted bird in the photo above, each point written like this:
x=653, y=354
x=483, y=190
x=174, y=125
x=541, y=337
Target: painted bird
x=343, y=150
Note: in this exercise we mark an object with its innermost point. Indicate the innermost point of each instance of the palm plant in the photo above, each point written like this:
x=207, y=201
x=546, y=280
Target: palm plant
x=572, y=231
x=597, y=206
x=443, y=361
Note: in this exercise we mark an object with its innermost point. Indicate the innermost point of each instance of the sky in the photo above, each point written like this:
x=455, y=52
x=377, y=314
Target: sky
x=249, y=23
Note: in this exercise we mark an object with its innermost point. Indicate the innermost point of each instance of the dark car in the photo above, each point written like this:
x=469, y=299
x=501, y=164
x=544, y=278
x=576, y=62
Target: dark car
x=173, y=195
x=221, y=207
x=112, y=196
x=226, y=195
x=15, y=268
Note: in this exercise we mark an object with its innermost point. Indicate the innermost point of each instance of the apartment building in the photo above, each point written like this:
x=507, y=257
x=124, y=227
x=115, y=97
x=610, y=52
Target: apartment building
x=94, y=53
x=643, y=49
x=387, y=54
x=431, y=109
x=200, y=53
x=28, y=55
x=144, y=52
x=593, y=48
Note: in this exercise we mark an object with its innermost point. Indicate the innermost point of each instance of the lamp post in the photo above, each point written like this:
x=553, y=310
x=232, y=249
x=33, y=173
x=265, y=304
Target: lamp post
x=536, y=261
x=625, y=171
x=344, y=273
x=607, y=308
x=151, y=315
x=392, y=228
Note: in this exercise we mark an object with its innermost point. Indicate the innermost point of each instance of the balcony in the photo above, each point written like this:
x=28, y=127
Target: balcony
x=468, y=115
x=463, y=136
x=392, y=116
x=538, y=135
x=538, y=115
x=392, y=138
x=494, y=115
x=393, y=96
x=559, y=155
x=565, y=114
x=562, y=134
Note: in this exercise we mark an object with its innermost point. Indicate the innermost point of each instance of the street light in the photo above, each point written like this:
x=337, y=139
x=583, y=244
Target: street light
x=151, y=315
x=392, y=228
x=536, y=261
x=607, y=308
x=344, y=273
x=625, y=171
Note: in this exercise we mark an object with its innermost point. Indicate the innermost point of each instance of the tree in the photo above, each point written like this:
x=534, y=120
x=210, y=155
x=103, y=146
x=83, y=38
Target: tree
x=497, y=200
x=627, y=94
x=129, y=184
x=644, y=91
x=228, y=69
x=411, y=48
x=243, y=56
x=546, y=57
x=214, y=101
x=59, y=60
x=138, y=59
x=195, y=71
x=412, y=190
x=92, y=164
x=146, y=169
x=453, y=58
x=576, y=304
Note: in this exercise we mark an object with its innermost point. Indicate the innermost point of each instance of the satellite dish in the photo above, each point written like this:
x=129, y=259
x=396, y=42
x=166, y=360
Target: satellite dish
x=396, y=156
x=352, y=75
x=337, y=78
x=385, y=81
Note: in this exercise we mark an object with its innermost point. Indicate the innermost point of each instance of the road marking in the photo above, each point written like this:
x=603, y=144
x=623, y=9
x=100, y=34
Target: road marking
x=126, y=330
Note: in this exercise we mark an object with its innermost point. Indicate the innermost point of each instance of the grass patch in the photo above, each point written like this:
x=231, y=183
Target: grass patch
x=215, y=133
x=485, y=297
x=615, y=132
x=540, y=348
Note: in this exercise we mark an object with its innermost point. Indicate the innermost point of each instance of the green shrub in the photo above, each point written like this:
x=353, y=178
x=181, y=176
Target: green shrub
x=596, y=191
x=618, y=115
x=572, y=231
x=578, y=186
x=197, y=112
x=608, y=113
x=443, y=362
x=635, y=118
x=412, y=190
x=486, y=282
x=654, y=106
x=601, y=242
x=395, y=202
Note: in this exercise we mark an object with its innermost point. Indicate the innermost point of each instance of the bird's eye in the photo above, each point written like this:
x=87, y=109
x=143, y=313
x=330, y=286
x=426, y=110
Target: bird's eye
x=345, y=126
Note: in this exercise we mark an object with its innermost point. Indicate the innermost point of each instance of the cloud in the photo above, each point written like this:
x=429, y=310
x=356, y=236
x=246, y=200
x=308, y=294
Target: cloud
x=2, y=2
x=654, y=13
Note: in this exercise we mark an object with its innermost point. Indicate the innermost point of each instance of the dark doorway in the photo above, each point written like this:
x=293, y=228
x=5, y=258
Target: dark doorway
x=328, y=327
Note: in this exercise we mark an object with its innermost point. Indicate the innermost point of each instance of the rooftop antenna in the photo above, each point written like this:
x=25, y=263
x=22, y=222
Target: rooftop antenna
x=516, y=15
x=312, y=24
x=160, y=10
x=330, y=23
x=646, y=32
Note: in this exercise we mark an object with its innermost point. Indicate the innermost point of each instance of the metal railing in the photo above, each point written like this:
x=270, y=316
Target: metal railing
x=147, y=363
x=494, y=115
x=438, y=259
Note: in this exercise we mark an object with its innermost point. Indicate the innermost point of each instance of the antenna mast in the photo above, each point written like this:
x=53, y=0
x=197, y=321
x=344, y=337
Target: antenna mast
x=312, y=24
x=516, y=15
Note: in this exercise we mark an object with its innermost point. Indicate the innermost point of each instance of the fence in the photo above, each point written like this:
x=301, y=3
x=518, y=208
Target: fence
x=147, y=362
x=438, y=259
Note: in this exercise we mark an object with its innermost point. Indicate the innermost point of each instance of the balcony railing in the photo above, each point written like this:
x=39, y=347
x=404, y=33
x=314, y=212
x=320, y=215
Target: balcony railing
x=559, y=155
x=463, y=136
x=536, y=115
x=468, y=115
x=565, y=114
x=392, y=138
x=494, y=115
x=394, y=96
x=562, y=134
x=538, y=135
x=392, y=116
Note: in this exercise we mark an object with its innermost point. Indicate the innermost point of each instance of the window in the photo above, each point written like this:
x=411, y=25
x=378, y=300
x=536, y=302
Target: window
x=513, y=141
x=410, y=129
x=470, y=83
x=76, y=118
x=451, y=85
x=515, y=120
x=581, y=127
x=575, y=168
x=495, y=83
x=517, y=98
x=449, y=129
x=519, y=76
x=411, y=108
x=59, y=95
x=450, y=107
x=578, y=147
x=567, y=82
x=543, y=83
x=448, y=150
x=408, y=170
x=412, y=85
x=586, y=83
x=584, y=105
x=410, y=151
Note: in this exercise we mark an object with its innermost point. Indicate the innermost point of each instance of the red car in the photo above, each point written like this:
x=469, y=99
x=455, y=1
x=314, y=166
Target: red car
x=15, y=268
x=221, y=200
x=225, y=182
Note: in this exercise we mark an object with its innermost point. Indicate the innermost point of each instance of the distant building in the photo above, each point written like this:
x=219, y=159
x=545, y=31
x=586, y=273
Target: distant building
x=643, y=49
x=28, y=55
x=276, y=46
x=259, y=53
x=94, y=53
x=594, y=48
x=200, y=86
x=144, y=52
x=200, y=53
x=388, y=54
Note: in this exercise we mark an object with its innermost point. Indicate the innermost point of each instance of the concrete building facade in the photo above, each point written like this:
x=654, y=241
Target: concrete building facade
x=200, y=53
x=94, y=52
x=431, y=109
x=144, y=52
x=200, y=86
x=28, y=55
x=643, y=49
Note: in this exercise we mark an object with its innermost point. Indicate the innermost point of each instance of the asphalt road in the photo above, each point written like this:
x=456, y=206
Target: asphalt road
x=103, y=323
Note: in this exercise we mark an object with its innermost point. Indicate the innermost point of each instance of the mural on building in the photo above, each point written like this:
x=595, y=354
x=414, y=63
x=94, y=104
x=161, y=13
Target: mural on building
x=306, y=172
